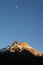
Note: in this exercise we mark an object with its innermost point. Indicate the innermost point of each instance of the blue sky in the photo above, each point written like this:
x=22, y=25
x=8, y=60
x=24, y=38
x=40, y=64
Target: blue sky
x=21, y=20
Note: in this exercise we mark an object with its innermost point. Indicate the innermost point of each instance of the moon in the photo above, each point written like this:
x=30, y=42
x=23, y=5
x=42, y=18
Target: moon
x=16, y=6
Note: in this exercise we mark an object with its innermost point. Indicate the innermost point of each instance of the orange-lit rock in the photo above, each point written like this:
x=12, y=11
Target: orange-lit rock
x=19, y=46
x=20, y=53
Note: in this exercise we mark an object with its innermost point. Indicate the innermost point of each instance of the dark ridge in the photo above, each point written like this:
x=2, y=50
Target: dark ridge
x=23, y=58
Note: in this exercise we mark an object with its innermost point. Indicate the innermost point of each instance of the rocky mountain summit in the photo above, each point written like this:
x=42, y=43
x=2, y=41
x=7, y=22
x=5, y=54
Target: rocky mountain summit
x=20, y=53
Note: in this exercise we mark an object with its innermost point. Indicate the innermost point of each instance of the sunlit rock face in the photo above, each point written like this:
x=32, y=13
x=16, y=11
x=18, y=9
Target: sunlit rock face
x=19, y=46
x=20, y=53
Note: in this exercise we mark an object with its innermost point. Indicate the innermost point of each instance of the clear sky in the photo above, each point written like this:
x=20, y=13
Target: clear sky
x=21, y=20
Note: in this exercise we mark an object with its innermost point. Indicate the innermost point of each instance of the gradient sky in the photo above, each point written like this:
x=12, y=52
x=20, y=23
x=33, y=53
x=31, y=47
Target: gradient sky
x=21, y=20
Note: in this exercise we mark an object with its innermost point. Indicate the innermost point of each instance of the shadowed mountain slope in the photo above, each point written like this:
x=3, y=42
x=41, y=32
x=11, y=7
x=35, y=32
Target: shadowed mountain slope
x=20, y=53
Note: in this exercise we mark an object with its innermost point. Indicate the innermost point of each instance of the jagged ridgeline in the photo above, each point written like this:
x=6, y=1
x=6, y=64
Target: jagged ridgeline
x=20, y=53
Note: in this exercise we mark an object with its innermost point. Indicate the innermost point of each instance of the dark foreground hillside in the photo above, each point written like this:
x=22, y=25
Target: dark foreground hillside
x=23, y=58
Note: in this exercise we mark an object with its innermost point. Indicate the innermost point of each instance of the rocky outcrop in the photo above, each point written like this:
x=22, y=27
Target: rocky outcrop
x=20, y=53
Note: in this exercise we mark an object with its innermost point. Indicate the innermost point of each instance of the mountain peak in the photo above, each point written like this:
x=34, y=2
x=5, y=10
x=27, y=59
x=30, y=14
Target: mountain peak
x=19, y=46
x=20, y=53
